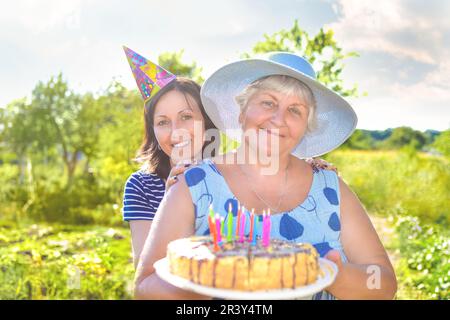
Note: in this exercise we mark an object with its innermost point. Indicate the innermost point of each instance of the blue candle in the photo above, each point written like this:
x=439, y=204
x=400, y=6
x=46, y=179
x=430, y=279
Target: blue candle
x=255, y=227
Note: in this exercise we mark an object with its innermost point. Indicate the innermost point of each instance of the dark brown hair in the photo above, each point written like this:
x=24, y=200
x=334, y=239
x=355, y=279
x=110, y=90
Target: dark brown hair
x=154, y=159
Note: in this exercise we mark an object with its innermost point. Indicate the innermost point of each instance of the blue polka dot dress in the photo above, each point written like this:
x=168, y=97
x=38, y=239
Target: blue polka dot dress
x=316, y=220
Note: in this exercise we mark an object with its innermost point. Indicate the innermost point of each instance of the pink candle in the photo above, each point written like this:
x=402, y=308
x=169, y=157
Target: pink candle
x=268, y=227
x=264, y=229
x=219, y=236
x=238, y=221
x=252, y=214
x=242, y=231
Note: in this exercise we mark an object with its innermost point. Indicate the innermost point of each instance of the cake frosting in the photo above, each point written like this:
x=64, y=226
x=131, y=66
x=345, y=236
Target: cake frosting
x=243, y=265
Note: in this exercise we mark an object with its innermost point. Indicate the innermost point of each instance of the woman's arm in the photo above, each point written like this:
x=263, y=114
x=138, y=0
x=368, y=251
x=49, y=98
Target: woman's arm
x=174, y=219
x=139, y=232
x=368, y=273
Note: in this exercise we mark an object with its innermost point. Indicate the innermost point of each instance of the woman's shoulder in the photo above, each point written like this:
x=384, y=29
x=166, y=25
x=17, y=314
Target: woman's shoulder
x=205, y=170
x=143, y=178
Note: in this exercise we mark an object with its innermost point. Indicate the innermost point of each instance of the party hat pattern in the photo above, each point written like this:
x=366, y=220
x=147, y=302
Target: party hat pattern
x=150, y=77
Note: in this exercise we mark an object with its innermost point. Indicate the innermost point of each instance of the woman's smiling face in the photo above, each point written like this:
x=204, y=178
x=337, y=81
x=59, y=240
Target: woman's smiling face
x=178, y=126
x=277, y=115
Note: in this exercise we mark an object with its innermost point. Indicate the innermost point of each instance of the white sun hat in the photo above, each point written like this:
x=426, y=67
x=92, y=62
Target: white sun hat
x=335, y=118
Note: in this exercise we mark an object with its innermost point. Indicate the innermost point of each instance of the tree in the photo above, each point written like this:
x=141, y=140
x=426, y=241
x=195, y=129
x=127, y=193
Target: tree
x=19, y=132
x=360, y=140
x=121, y=135
x=321, y=50
x=66, y=121
x=442, y=143
x=380, y=135
x=172, y=61
x=405, y=136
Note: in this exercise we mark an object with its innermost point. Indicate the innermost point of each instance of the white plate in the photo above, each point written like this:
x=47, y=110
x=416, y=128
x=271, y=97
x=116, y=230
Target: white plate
x=329, y=272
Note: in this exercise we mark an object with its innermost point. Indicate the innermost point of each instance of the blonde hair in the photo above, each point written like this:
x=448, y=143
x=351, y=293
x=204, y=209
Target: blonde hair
x=282, y=84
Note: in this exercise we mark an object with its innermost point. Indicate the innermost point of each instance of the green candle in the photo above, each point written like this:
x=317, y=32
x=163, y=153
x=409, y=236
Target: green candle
x=230, y=224
x=211, y=211
x=222, y=226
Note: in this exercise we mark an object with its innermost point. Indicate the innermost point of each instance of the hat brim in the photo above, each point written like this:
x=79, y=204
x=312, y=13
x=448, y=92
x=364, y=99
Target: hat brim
x=335, y=118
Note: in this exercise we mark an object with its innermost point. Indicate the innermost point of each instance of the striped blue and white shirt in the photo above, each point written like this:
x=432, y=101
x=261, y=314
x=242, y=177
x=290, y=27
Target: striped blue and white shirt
x=142, y=196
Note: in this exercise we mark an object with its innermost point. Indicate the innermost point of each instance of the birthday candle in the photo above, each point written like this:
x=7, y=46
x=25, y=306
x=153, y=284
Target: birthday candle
x=213, y=232
x=211, y=220
x=216, y=246
x=230, y=223
x=211, y=226
x=222, y=226
x=219, y=237
x=241, y=239
x=238, y=221
x=211, y=211
x=252, y=214
x=265, y=229
x=255, y=227
x=269, y=224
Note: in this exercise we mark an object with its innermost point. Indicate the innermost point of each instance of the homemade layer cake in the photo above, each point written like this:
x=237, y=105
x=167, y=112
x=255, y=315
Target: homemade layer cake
x=243, y=266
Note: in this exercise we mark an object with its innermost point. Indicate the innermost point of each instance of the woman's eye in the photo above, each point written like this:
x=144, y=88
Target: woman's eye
x=267, y=103
x=186, y=117
x=295, y=111
x=162, y=123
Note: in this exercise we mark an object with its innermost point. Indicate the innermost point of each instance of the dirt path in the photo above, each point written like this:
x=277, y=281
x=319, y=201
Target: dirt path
x=386, y=232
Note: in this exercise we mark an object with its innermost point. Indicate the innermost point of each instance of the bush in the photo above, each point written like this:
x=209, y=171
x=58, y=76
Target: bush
x=425, y=266
x=84, y=203
x=64, y=262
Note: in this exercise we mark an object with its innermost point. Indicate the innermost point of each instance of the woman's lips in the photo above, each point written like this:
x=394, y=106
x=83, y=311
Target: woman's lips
x=273, y=132
x=181, y=144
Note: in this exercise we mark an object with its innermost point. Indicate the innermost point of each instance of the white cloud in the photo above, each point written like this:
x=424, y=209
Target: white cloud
x=388, y=26
x=41, y=16
x=408, y=78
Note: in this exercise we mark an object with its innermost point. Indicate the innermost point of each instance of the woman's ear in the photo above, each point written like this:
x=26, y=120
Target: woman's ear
x=241, y=118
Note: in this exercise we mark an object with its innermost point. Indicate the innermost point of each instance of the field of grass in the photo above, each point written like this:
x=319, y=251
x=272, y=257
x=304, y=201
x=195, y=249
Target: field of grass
x=91, y=262
x=389, y=181
x=65, y=262
x=405, y=193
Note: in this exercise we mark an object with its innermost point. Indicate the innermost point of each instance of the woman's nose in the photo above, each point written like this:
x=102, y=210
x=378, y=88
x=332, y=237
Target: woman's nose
x=176, y=126
x=278, y=117
x=179, y=133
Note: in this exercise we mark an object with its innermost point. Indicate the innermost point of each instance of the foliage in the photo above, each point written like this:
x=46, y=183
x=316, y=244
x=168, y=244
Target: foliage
x=424, y=269
x=64, y=262
x=397, y=138
x=383, y=180
x=360, y=140
x=442, y=143
x=405, y=136
x=172, y=61
x=56, y=123
x=321, y=50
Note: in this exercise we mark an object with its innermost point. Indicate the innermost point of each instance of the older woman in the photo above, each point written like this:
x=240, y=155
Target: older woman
x=277, y=109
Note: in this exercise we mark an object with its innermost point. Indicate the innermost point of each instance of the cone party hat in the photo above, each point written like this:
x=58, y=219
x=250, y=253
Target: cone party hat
x=150, y=77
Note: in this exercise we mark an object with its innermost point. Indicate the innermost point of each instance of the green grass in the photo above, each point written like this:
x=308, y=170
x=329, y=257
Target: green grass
x=418, y=184
x=65, y=262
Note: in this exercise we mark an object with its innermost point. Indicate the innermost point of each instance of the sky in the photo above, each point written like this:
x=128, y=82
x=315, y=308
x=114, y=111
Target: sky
x=404, y=46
